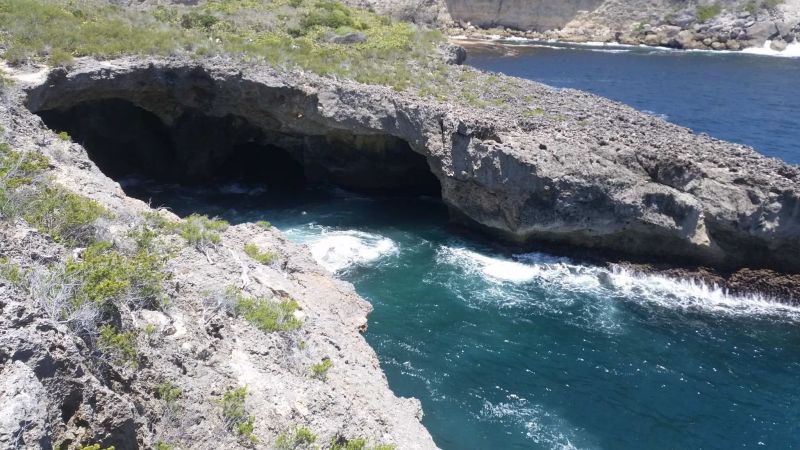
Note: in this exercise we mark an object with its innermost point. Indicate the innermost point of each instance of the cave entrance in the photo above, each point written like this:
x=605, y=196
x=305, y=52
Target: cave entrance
x=191, y=147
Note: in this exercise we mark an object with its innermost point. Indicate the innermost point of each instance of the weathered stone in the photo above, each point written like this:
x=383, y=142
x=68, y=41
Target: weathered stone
x=778, y=45
x=762, y=31
x=660, y=192
x=349, y=38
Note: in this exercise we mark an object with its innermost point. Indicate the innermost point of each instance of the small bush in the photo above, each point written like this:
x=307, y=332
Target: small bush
x=269, y=316
x=66, y=217
x=359, y=443
x=264, y=224
x=95, y=447
x=263, y=257
x=64, y=136
x=201, y=231
x=168, y=392
x=235, y=415
x=534, y=112
x=17, y=170
x=320, y=370
x=11, y=272
x=705, y=13
x=106, y=276
x=301, y=438
x=120, y=347
x=161, y=445
x=149, y=329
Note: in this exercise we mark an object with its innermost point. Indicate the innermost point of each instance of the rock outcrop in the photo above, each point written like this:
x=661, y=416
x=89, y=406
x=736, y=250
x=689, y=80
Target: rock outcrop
x=56, y=395
x=719, y=25
x=581, y=170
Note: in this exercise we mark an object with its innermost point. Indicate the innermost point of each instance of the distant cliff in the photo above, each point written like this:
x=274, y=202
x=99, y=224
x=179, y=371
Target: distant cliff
x=719, y=25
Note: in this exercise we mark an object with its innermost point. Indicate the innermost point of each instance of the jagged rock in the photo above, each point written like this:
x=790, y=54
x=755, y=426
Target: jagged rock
x=762, y=31
x=778, y=45
x=657, y=191
x=349, y=38
x=454, y=54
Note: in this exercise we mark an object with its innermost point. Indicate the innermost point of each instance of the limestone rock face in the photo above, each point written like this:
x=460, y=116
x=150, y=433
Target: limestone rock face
x=48, y=396
x=537, y=15
x=592, y=174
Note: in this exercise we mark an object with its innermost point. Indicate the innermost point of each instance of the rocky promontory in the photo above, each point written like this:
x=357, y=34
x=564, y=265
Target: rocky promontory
x=698, y=25
x=126, y=325
x=560, y=166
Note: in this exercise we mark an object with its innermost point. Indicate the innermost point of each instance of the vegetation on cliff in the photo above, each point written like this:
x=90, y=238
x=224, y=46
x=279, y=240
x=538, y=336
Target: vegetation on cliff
x=321, y=36
x=318, y=35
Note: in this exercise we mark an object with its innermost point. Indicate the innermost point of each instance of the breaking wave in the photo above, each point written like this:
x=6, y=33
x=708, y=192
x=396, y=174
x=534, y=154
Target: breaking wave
x=339, y=250
x=558, y=274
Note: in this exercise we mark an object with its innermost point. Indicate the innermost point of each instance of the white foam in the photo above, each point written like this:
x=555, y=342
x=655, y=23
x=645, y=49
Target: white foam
x=791, y=51
x=563, y=277
x=655, y=114
x=494, y=268
x=542, y=427
x=338, y=250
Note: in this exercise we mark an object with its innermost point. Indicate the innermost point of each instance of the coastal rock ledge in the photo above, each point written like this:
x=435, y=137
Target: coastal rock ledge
x=578, y=170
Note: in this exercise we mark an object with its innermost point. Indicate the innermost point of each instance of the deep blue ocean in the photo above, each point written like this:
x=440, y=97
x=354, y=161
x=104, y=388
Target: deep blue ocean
x=743, y=98
x=536, y=351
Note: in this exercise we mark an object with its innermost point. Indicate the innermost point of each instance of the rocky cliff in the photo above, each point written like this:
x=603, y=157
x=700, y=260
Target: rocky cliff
x=553, y=165
x=57, y=393
x=559, y=166
x=718, y=25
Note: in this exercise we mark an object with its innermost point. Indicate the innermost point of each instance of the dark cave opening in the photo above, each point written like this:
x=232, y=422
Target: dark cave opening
x=191, y=147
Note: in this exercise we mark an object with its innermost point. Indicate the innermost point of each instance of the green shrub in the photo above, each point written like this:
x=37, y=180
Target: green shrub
x=269, y=316
x=5, y=80
x=707, y=12
x=95, y=447
x=194, y=19
x=359, y=443
x=320, y=370
x=11, y=272
x=161, y=445
x=301, y=438
x=534, y=112
x=56, y=31
x=120, y=347
x=66, y=217
x=264, y=224
x=105, y=276
x=235, y=415
x=149, y=329
x=168, y=392
x=64, y=136
x=263, y=257
x=752, y=7
x=19, y=169
x=201, y=231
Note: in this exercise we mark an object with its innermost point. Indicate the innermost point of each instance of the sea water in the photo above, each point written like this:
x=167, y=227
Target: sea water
x=535, y=350
x=746, y=98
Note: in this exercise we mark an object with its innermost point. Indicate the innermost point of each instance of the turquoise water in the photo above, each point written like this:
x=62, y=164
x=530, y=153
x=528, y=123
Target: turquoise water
x=749, y=99
x=533, y=350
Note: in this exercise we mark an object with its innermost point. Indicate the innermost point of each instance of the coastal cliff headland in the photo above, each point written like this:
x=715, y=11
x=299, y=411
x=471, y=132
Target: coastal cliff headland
x=125, y=325
x=697, y=25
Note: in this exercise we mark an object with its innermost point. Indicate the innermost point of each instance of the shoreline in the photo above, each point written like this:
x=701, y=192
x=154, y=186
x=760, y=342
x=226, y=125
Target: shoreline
x=791, y=51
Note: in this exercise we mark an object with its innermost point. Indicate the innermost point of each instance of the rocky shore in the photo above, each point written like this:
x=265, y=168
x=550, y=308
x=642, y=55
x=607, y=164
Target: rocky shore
x=245, y=341
x=56, y=394
x=721, y=25
x=553, y=165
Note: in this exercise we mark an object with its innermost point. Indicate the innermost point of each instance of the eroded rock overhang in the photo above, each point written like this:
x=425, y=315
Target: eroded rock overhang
x=615, y=180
